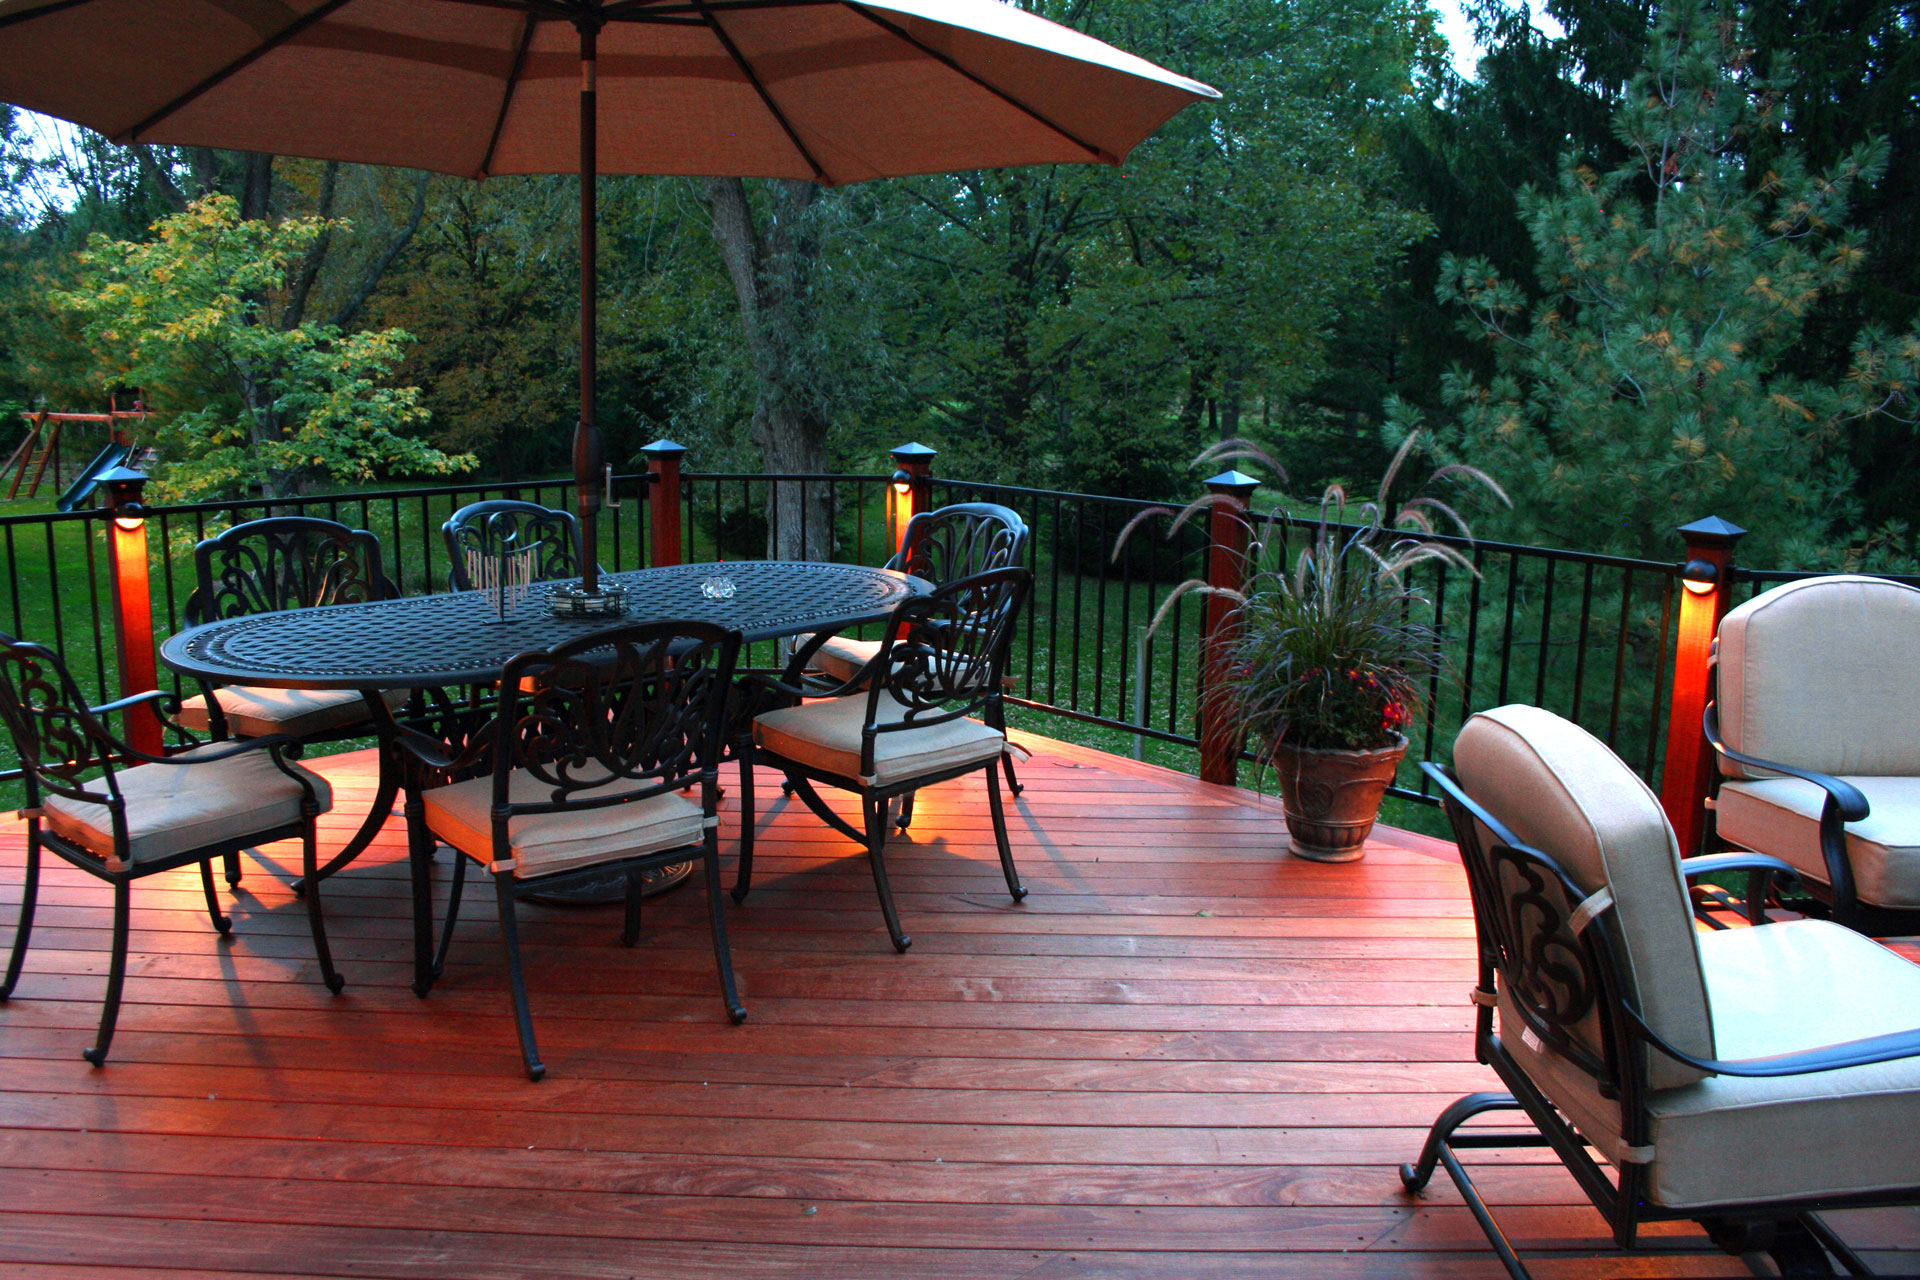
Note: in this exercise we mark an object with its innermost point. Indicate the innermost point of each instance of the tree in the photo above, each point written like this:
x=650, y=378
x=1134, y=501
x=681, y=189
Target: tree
x=1647, y=384
x=192, y=314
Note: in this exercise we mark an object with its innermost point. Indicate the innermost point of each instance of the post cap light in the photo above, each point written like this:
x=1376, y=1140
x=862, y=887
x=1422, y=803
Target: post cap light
x=663, y=448
x=123, y=486
x=907, y=454
x=1700, y=576
x=1237, y=483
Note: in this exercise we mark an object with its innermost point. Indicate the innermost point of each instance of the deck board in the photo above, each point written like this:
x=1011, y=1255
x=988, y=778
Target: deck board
x=1186, y=1055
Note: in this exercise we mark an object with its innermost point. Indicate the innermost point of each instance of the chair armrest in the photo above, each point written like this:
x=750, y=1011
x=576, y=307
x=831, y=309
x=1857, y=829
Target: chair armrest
x=1833, y=1057
x=1843, y=795
x=280, y=744
x=442, y=756
x=131, y=700
x=1708, y=864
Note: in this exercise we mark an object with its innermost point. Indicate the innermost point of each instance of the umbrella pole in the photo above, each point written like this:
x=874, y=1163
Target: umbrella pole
x=589, y=449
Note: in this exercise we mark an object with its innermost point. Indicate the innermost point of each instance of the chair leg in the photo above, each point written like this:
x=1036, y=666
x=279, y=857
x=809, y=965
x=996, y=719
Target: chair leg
x=232, y=867
x=309, y=859
x=999, y=813
x=876, y=815
x=453, y=910
x=906, y=812
x=630, y=926
x=717, y=919
x=220, y=922
x=1014, y=788
x=1414, y=1176
x=377, y=814
x=116, y=976
x=743, y=870
x=29, y=894
x=510, y=938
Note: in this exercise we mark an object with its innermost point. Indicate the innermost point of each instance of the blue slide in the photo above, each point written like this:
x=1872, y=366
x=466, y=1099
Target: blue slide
x=80, y=490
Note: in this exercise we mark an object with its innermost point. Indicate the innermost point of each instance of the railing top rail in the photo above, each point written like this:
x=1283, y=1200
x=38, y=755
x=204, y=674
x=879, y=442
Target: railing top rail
x=792, y=476
x=1743, y=574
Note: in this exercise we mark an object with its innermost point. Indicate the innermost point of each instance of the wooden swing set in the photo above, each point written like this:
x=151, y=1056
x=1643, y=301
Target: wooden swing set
x=40, y=450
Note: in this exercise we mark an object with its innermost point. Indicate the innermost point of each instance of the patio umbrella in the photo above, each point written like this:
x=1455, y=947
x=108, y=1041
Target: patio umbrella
x=831, y=91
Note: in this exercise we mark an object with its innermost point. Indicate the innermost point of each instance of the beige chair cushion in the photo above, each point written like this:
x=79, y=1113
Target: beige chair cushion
x=545, y=843
x=843, y=657
x=254, y=712
x=1824, y=674
x=825, y=735
x=1782, y=816
x=173, y=808
x=1786, y=988
x=1783, y=988
x=1560, y=790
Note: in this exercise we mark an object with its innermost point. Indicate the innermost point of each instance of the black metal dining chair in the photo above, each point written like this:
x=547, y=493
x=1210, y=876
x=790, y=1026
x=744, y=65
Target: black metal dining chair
x=585, y=758
x=290, y=562
x=505, y=525
x=927, y=709
x=120, y=814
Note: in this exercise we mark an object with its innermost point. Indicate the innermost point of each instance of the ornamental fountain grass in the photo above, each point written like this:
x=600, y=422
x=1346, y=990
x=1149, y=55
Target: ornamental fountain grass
x=1330, y=650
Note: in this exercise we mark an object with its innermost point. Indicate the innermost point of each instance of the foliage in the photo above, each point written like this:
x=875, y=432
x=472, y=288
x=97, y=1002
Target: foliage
x=1644, y=386
x=192, y=314
x=1333, y=647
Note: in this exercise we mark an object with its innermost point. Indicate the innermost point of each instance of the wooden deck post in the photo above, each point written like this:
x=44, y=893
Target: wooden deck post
x=1705, y=596
x=132, y=603
x=912, y=488
x=1227, y=533
x=663, y=500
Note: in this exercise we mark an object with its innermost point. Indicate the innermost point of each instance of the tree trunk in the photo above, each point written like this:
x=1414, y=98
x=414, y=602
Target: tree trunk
x=771, y=268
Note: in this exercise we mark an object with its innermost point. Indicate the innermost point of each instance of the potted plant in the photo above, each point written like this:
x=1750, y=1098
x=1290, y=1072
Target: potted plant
x=1331, y=651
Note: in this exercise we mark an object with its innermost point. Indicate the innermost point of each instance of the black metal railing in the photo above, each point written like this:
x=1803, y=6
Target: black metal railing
x=1588, y=636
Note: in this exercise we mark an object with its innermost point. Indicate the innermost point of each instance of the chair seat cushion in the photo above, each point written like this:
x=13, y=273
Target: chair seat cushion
x=825, y=735
x=546, y=843
x=1781, y=816
x=173, y=808
x=843, y=657
x=1787, y=988
x=1783, y=988
x=255, y=712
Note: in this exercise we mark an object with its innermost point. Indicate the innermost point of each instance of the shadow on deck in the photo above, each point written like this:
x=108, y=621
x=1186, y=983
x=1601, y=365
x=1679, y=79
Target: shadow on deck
x=1185, y=1055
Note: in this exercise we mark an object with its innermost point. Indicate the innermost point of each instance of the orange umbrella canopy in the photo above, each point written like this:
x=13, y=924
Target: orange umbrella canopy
x=825, y=90
x=831, y=91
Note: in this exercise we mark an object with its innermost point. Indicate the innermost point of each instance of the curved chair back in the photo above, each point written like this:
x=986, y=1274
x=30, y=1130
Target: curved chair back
x=284, y=562
x=950, y=649
x=961, y=540
x=505, y=525
x=55, y=736
x=1556, y=788
x=1823, y=674
x=642, y=705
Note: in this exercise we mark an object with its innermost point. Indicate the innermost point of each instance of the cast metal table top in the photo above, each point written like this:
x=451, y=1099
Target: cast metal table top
x=455, y=638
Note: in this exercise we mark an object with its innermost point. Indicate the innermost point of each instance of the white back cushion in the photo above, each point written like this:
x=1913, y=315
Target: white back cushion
x=1824, y=674
x=1561, y=791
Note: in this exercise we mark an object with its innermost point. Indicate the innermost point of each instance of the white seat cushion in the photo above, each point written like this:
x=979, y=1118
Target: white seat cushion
x=1782, y=988
x=1786, y=988
x=825, y=735
x=544, y=843
x=255, y=712
x=173, y=808
x=843, y=657
x=1782, y=817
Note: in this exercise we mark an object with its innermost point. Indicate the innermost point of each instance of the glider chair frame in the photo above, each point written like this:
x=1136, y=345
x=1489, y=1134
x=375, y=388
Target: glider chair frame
x=581, y=766
x=905, y=720
x=290, y=562
x=1816, y=696
x=142, y=814
x=1587, y=1051
x=943, y=545
x=507, y=525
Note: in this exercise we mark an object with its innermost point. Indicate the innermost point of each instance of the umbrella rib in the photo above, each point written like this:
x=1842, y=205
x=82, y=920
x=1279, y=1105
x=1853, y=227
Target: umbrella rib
x=245, y=60
x=1098, y=153
x=733, y=51
x=13, y=19
x=513, y=82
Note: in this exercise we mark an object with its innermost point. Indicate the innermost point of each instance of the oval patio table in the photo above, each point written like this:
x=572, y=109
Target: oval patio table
x=457, y=638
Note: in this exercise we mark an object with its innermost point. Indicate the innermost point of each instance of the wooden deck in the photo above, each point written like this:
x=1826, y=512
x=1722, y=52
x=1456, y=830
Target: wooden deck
x=1186, y=1055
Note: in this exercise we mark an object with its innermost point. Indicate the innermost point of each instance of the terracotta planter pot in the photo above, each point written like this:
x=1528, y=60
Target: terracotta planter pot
x=1332, y=797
